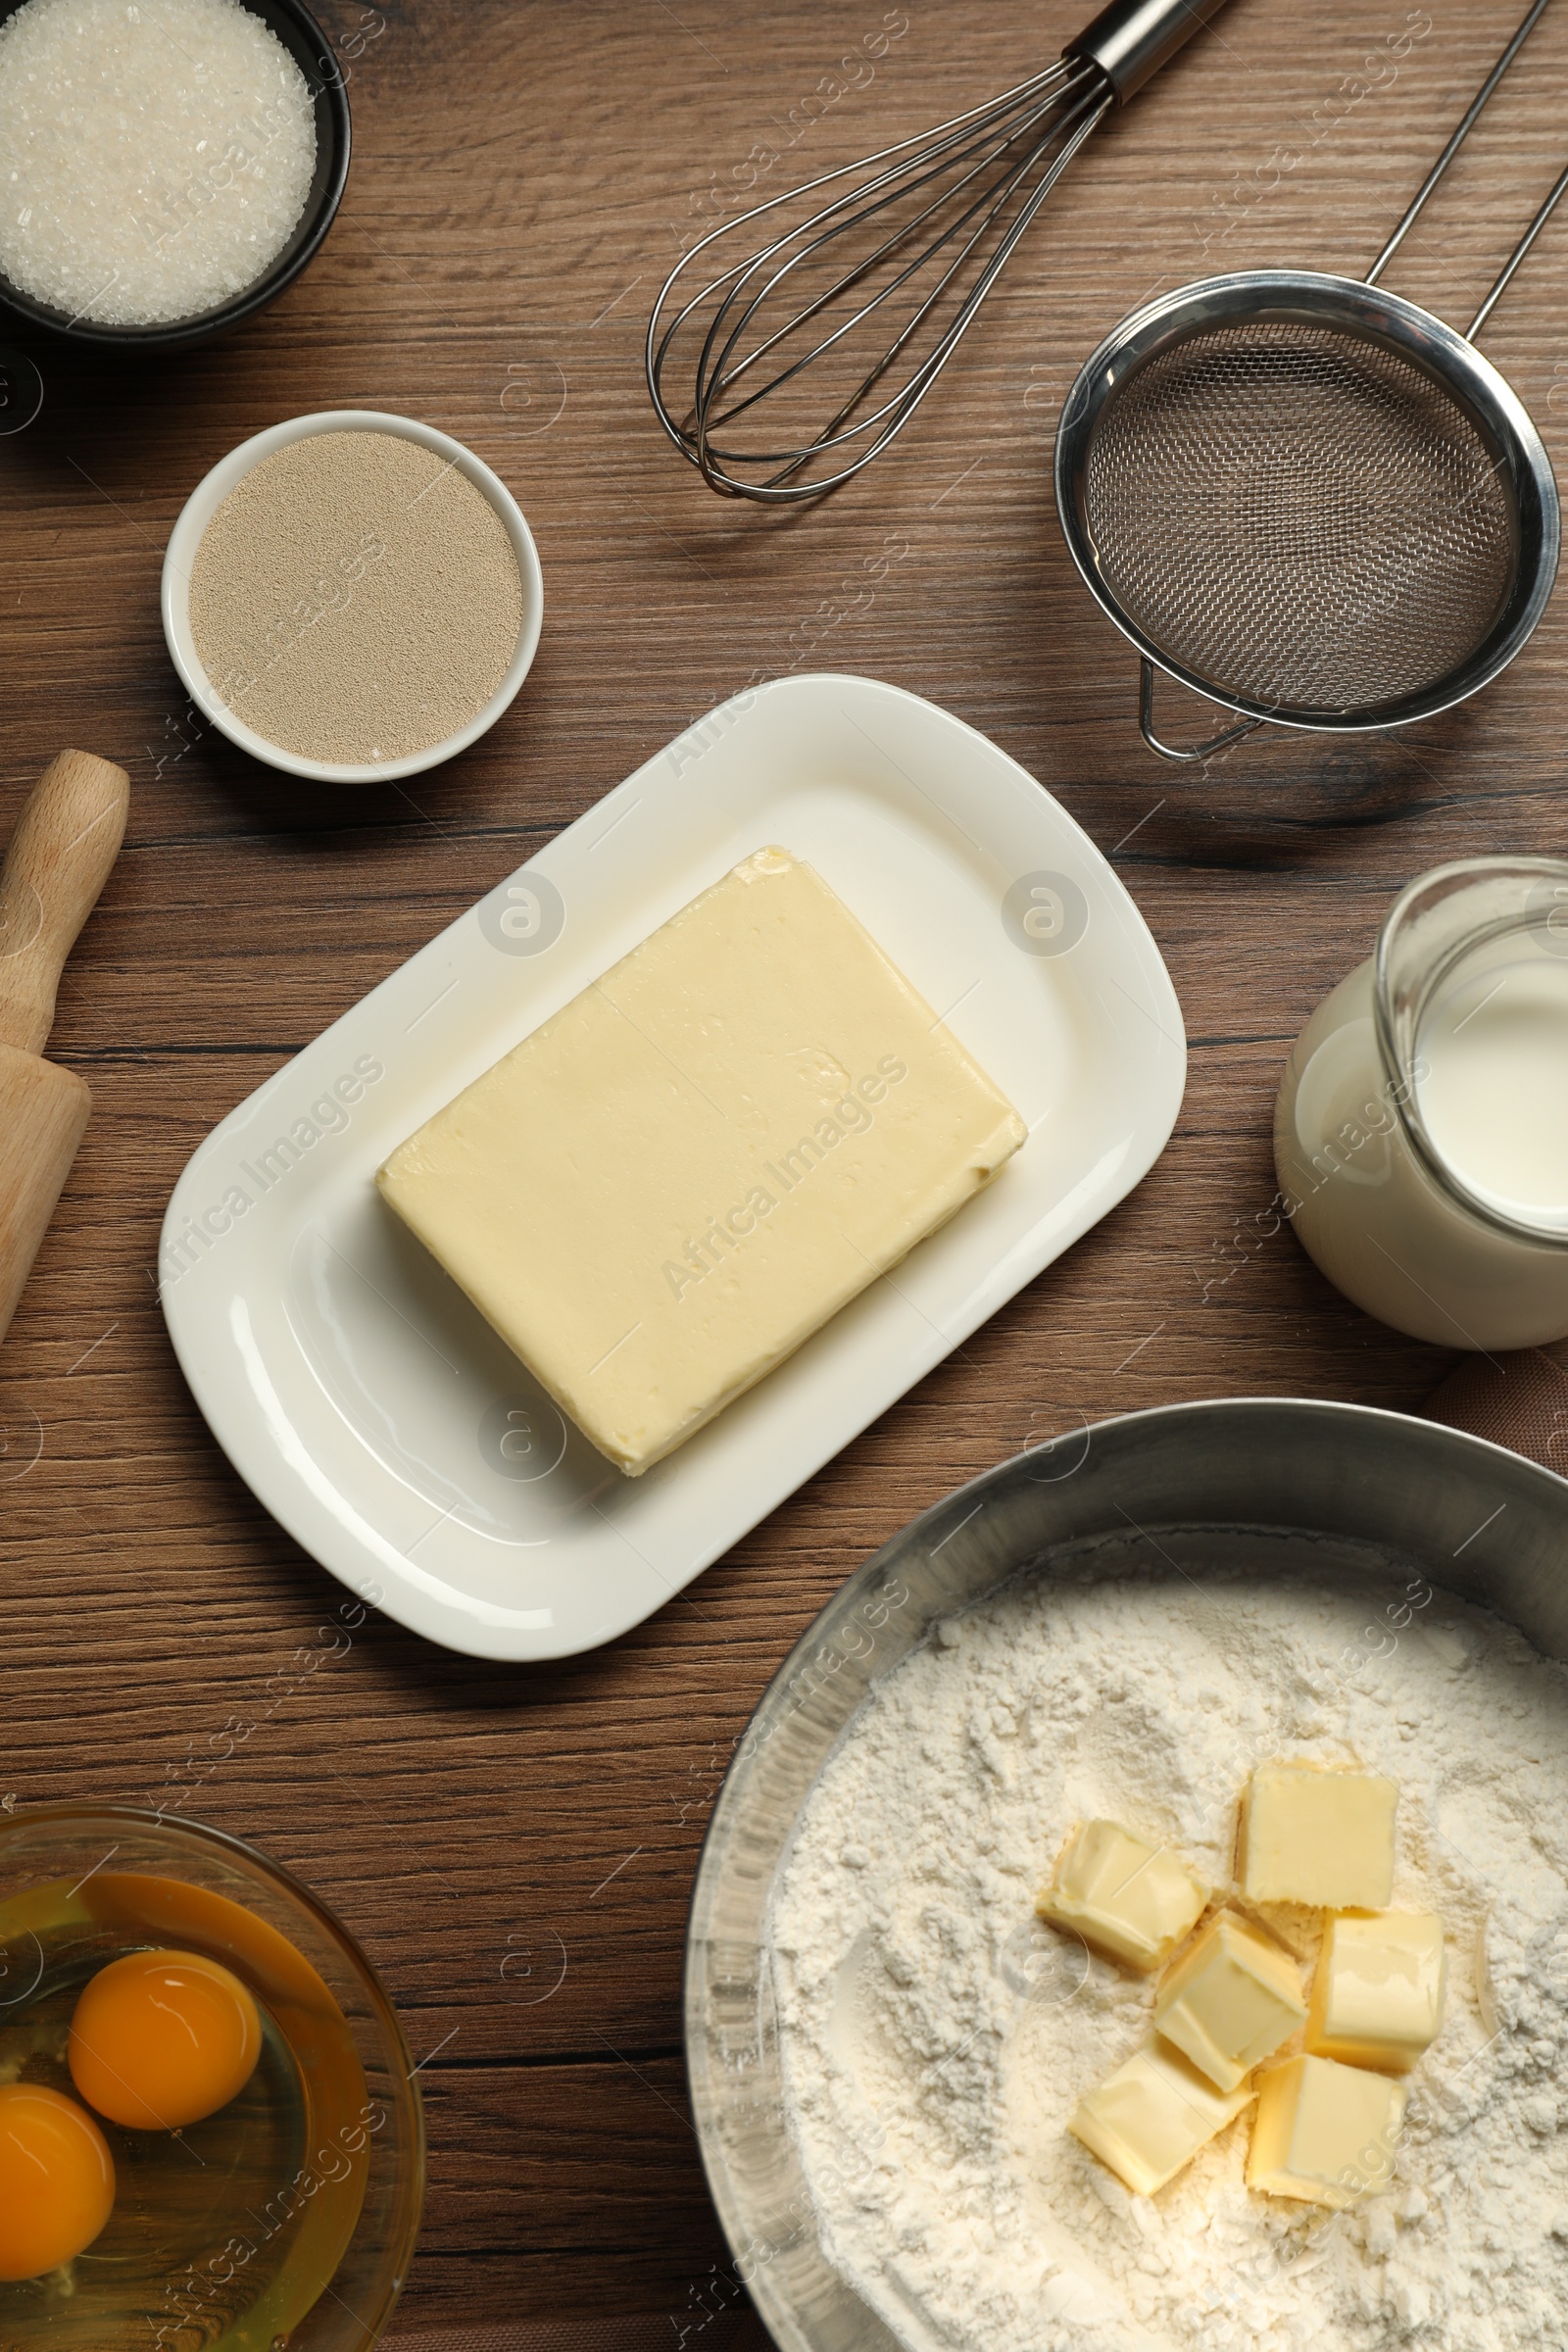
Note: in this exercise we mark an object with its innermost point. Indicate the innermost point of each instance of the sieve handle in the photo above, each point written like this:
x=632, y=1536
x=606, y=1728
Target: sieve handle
x=1171, y=751
x=1516, y=257
x=1466, y=124
x=1131, y=39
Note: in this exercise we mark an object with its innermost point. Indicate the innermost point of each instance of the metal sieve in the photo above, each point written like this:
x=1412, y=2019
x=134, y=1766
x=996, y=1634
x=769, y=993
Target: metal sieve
x=1308, y=500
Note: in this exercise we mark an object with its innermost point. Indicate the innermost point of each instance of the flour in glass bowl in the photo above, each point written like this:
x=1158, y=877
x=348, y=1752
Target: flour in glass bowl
x=935, y=2038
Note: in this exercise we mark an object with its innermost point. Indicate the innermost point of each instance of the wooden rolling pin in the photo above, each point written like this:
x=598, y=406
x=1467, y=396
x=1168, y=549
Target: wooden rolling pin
x=66, y=842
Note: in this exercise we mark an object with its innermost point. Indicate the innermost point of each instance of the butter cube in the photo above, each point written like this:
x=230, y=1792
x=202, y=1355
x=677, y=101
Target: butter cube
x=681, y=1175
x=1230, y=2002
x=1325, y=2133
x=1377, y=1999
x=1315, y=1837
x=1152, y=2116
x=1134, y=1900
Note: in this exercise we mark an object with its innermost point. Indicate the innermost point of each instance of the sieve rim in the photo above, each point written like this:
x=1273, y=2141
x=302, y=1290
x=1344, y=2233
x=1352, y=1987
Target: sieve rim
x=1315, y=298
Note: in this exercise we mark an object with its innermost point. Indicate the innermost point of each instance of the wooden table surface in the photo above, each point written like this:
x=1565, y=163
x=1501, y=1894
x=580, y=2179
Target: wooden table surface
x=524, y=175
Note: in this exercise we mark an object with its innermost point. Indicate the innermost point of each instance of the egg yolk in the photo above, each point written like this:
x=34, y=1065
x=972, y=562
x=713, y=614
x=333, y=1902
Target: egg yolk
x=159, y=2040
x=56, y=2180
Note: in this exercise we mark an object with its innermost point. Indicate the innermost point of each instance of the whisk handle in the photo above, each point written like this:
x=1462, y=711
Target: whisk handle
x=1131, y=39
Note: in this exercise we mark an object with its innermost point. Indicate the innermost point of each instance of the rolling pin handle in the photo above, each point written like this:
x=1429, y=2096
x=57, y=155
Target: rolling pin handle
x=66, y=842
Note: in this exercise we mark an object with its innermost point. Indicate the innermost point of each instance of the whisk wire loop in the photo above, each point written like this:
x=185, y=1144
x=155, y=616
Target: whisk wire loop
x=945, y=210
x=990, y=146
x=717, y=377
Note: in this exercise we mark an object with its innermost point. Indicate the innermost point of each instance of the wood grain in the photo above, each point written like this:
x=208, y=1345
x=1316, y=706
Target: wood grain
x=524, y=175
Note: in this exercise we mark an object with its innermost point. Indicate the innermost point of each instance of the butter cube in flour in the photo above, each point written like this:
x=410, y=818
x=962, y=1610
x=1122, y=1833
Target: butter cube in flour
x=1324, y=1837
x=1152, y=2116
x=1230, y=2002
x=1325, y=2133
x=1134, y=1900
x=1377, y=1998
x=680, y=1176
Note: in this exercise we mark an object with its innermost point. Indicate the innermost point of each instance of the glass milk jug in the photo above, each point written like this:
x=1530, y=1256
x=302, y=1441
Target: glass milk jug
x=1421, y=1134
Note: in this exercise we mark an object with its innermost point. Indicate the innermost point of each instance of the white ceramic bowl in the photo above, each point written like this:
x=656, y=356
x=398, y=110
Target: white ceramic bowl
x=198, y=512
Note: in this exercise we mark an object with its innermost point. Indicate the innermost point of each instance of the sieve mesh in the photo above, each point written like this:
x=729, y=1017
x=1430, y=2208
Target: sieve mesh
x=1298, y=516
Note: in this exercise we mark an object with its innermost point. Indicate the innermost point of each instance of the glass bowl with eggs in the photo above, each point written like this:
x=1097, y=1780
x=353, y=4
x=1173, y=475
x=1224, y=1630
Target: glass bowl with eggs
x=210, y=2133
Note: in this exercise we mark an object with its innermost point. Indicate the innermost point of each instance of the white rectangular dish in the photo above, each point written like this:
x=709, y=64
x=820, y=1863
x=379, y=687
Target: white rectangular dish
x=365, y=1402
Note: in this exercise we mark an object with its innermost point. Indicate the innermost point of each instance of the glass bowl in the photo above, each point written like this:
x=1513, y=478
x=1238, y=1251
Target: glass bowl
x=1283, y=1487
x=176, y=1880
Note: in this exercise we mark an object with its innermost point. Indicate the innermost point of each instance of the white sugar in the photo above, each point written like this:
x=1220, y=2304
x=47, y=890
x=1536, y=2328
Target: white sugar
x=154, y=154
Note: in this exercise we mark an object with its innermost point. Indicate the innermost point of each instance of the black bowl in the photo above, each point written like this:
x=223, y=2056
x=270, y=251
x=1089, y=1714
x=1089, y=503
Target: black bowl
x=313, y=53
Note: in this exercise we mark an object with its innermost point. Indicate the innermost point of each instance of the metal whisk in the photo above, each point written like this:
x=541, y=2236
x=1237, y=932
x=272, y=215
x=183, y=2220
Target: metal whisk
x=858, y=308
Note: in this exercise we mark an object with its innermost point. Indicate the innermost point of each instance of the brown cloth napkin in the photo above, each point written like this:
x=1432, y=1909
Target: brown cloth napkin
x=666, y=2331
x=1518, y=1401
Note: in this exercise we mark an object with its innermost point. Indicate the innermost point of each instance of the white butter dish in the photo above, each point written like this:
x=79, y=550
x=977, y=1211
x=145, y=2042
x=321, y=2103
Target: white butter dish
x=364, y=1399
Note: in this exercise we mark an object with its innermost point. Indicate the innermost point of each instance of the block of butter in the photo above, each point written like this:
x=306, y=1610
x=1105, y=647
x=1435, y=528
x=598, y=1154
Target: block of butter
x=1152, y=2116
x=1377, y=1998
x=1324, y=1837
x=1230, y=2002
x=1325, y=2133
x=1134, y=1900
x=688, y=1169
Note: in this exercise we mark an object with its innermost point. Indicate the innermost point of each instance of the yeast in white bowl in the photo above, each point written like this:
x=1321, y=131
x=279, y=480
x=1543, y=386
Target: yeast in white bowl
x=352, y=609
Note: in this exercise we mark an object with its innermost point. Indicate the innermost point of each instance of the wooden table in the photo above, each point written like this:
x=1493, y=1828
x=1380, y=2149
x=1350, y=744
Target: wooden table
x=523, y=176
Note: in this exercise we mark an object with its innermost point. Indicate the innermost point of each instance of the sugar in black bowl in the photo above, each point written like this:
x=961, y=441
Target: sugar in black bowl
x=170, y=166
